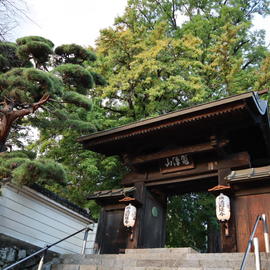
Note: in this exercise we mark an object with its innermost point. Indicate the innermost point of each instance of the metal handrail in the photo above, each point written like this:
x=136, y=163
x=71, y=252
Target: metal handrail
x=254, y=240
x=44, y=250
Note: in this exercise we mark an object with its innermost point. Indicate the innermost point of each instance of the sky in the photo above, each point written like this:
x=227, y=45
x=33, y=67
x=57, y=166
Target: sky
x=69, y=21
x=79, y=21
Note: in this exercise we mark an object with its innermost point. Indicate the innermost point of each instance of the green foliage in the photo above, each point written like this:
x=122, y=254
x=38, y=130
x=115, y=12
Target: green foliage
x=28, y=85
x=75, y=77
x=77, y=99
x=148, y=13
x=73, y=54
x=62, y=94
x=22, y=168
x=191, y=220
x=98, y=79
x=81, y=126
x=38, y=171
x=19, y=154
x=8, y=57
x=263, y=75
x=25, y=40
x=149, y=76
x=153, y=64
x=88, y=171
x=36, y=48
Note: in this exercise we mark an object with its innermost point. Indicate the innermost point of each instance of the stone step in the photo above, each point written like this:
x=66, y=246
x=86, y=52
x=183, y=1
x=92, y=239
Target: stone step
x=184, y=268
x=219, y=258
x=87, y=259
x=156, y=259
x=102, y=267
x=120, y=264
x=172, y=268
x=160, y=250
x=190, y=263
x=177, y=268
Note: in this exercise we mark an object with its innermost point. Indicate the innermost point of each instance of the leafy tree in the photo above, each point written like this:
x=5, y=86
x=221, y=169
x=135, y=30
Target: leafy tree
x=86, y=171
x=44, y=88
x=22, y=168
x=146, y=75
x=154, y=64
x=191, y=221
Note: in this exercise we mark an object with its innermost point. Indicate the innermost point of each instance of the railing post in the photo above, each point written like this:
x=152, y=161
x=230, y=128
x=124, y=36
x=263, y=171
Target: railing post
x=41, y=262
x=257, y=253
x=243, y=264
x=250, y=241
x=265, y=233
x=85, y=240
x=43, y=250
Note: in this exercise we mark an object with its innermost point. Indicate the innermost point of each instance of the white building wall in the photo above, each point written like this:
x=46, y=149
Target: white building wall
x=32, y=217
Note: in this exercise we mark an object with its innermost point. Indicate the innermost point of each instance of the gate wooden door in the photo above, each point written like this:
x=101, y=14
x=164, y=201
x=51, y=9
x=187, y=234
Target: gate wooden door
x=153, y=229
x=115, y=235
x=247, y=208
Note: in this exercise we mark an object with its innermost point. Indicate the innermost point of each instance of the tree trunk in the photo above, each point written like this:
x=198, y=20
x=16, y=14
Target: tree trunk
x=9, y=116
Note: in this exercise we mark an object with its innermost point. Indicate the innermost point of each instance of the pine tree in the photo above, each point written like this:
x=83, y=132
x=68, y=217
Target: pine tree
x=34, y=77
x=45, y=88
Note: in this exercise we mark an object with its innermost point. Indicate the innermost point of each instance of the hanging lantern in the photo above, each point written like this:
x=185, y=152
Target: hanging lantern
x=223, y=210
x=129, y=216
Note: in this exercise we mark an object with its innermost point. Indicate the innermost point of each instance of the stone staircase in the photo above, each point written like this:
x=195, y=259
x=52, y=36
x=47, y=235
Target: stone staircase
x=160, y=259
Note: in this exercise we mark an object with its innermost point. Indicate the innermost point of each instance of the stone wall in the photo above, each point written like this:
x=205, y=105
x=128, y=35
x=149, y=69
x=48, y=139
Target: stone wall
x=13, y=250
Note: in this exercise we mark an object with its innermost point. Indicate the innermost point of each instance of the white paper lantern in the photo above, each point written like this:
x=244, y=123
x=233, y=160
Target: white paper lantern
x=129, y=216
x=223, y=210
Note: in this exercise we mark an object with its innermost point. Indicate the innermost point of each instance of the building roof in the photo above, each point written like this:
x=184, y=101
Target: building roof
x=121, y=192
x=244, y=115
x=250, y=174
x=260, y=104
x=115, y=196
x=51, y=195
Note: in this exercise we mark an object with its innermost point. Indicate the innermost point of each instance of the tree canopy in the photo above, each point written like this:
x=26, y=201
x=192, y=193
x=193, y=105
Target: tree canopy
x=45, y=88
x=155, y=64
x=34, y=76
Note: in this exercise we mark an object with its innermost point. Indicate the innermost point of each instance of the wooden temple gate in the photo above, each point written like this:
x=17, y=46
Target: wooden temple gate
x=214, y=146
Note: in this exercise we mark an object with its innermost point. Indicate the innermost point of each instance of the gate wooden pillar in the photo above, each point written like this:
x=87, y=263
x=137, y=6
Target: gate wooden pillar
x=149, y=230
x=225, y=165
x=140, y=194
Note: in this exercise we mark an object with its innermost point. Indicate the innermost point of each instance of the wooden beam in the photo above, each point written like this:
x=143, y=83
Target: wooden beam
x=114, y=207
x=181, y=180
x=222, y=173
x=156, y=175
x=212, y=145
x=238, y=160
